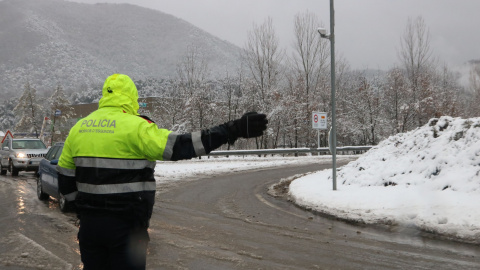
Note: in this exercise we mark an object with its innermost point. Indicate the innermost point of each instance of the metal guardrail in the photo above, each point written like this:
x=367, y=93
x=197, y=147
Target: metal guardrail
x=288, y=151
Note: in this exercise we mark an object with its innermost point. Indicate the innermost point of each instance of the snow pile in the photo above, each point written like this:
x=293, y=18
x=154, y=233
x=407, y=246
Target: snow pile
x=445, y=154
x=428, y=178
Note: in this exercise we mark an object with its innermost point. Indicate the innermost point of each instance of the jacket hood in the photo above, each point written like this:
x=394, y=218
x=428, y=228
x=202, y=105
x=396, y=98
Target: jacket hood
x=120, y=91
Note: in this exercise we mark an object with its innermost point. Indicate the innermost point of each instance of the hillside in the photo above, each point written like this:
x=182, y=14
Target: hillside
x=78, y=45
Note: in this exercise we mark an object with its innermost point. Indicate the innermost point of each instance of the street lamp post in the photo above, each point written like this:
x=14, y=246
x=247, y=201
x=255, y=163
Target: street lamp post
x=333, y=133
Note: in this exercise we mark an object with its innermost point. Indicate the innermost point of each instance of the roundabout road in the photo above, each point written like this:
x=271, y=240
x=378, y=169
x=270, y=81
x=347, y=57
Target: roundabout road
x=230, y=222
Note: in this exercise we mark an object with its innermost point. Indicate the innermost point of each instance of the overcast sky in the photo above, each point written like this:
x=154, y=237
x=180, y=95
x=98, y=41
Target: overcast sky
x=367, y=31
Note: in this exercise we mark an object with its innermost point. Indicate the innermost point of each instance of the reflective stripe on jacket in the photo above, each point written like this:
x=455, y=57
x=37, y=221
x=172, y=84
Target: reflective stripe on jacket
x=110, y=156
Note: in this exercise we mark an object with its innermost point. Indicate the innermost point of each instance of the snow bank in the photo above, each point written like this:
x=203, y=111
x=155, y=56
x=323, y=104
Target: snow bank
x=168, y=171
x=428, y=178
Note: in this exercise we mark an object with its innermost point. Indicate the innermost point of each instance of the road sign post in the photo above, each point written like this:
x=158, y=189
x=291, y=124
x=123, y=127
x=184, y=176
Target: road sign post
x=319, y=122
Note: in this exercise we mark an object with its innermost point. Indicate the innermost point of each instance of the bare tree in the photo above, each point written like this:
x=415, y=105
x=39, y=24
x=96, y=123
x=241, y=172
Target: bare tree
x=416, y=56
x=345, y=82
x=193, y=68
x=192, y=72
x=311, y=52
x=310, y=59
x=474, y=90
x=173, y=107
x=264, y=57
x=294, y=118
x=232, y=87
x=474, y=77
x=363, y=111
x=446, y=94
x=398, y=111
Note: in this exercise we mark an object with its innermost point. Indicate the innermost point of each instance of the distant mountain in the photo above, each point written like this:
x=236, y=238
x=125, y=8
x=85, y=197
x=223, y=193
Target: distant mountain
x=474, y=62
x=48, y=42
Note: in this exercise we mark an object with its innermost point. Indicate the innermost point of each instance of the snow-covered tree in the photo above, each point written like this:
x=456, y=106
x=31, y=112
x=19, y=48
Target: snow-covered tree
x=293, y=120
x=310, y=62
x=172, y=106
x=447, y=91
x=397, y=96
x=232, y=88
x=192, y=72
x=29, y=112
x=7, y=116
x=345, y=82
x=60, y=112
x=417, y=60
x=473, y=92
x=264, y=60
x=85, y=94
x=264, y=57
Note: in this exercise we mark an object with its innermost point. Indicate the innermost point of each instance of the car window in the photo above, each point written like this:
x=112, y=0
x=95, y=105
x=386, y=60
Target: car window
x=18, y=145
x=28, y=144
x=52, y=153
x=57, y=153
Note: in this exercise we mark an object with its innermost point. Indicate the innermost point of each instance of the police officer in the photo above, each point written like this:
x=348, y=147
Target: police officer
x=107, y=165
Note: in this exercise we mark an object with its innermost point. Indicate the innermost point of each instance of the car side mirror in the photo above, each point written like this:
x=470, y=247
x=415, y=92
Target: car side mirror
x=54, y=161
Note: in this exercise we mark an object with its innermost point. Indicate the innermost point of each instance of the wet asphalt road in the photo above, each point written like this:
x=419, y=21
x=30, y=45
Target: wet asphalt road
x=230, y=222
x=224, y=222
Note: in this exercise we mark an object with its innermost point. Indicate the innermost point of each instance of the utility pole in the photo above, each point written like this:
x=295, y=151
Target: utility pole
x=333, y=131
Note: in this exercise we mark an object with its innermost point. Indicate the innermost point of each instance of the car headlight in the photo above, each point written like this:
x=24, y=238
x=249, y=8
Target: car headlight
x=21, y=155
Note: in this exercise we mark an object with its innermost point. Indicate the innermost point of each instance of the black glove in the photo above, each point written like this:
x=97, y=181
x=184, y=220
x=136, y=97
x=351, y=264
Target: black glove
x=252, y=124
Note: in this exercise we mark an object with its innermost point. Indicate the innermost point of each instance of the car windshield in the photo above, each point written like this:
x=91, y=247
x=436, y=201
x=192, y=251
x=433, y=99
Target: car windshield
x=28, y=144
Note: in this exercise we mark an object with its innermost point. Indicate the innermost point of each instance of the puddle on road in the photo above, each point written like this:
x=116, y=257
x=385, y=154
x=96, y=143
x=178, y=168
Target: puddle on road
x=20, y=206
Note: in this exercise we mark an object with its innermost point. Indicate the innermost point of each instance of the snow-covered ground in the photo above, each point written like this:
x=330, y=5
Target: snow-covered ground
x=190, y=169
x=428, y=178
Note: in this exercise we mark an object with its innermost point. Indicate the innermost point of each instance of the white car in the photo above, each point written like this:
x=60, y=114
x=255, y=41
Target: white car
x=22, y=154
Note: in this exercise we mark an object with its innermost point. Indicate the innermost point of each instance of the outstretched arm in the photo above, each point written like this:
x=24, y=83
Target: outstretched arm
x=196, y=144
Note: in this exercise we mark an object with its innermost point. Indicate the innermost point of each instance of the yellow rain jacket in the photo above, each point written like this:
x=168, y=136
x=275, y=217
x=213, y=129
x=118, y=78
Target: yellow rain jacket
x=109, y=157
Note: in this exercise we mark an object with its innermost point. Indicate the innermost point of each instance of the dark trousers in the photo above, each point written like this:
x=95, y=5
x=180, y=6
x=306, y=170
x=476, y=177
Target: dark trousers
x=109, y=242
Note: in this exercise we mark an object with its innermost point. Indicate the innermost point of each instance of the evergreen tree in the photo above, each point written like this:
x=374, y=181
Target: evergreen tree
x=7, y=119
x=29, y=109
x=60, y=104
